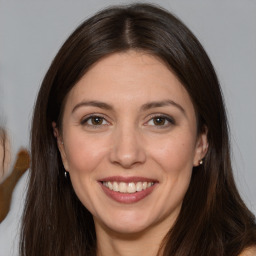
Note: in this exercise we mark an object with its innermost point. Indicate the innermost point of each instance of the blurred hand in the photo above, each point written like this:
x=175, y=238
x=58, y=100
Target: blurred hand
x=7, y=186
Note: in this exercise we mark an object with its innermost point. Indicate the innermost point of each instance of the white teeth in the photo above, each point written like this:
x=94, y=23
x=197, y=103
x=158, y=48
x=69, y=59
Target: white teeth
x=123, y=187
x=130, y=187
x=150, y=184
x=115, y=186
x=110, y=186
x=139, y=186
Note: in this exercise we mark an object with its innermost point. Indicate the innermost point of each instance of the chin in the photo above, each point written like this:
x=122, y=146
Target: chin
x=126, y=223
x=129, y=229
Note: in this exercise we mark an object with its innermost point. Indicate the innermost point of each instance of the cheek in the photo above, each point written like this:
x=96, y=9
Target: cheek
x=174, y=156
x=84, y=156
x=84, y=153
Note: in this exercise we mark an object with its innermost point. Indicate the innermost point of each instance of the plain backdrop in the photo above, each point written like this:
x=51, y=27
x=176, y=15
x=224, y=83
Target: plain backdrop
x=31, y=32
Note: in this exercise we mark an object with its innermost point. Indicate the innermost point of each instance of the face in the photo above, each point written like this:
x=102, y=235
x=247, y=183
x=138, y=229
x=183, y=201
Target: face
x=130, y=142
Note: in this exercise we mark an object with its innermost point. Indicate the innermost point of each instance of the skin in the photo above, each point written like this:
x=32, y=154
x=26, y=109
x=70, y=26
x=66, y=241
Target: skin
x=249, y=251
x=130, y=141
x=5, y=156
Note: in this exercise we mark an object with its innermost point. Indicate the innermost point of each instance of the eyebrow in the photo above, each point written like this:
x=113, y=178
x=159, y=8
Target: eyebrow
x=158, y=104
x=93, y=103
x=144, y=107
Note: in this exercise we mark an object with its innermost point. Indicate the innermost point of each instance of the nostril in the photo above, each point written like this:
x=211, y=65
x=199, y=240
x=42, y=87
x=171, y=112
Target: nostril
x=128, y=157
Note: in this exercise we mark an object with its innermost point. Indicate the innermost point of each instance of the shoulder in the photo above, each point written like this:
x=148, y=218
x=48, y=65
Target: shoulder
x=251, y=251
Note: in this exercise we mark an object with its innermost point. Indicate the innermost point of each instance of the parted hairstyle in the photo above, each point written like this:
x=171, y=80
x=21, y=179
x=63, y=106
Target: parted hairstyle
x=213, y=220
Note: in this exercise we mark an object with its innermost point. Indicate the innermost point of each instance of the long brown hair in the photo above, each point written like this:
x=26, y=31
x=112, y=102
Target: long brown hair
x=213, y=219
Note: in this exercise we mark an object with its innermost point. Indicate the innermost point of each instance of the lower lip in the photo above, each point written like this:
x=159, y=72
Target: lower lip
x=127, y=198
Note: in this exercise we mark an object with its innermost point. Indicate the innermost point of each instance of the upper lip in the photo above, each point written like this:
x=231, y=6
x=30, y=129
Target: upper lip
x=127, y=179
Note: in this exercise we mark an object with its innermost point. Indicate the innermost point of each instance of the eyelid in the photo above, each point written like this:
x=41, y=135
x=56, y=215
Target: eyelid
x=169, y=118
x=85, y=119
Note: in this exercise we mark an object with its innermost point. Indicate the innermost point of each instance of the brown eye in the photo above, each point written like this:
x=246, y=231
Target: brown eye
x=159, y=121
x=96, y=120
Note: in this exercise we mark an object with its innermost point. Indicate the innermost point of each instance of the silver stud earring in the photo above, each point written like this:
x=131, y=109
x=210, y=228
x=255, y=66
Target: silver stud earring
x=201, y=162
x=66, y=174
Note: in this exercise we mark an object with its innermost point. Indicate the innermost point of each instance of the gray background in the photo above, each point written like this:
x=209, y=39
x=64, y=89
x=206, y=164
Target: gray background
x=31, y=32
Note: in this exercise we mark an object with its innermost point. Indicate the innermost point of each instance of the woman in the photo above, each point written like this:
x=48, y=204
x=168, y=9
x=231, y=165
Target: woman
x=130, y=147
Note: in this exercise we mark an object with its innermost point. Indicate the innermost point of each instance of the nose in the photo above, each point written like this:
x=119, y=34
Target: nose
x=127, y=149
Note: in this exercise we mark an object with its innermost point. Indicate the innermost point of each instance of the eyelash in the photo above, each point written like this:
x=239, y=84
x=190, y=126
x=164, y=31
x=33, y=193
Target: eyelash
x=85, y=121
x=165, y=118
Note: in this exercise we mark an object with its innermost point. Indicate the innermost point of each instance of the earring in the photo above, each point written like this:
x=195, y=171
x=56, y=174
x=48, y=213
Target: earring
x=66, y=174
x=201, y=162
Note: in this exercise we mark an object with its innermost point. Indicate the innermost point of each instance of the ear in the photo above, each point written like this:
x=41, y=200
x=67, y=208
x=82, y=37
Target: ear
x=201, y=147
x=60, y=145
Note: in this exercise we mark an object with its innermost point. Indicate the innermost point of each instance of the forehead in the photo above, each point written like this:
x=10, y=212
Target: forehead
x=133, y=77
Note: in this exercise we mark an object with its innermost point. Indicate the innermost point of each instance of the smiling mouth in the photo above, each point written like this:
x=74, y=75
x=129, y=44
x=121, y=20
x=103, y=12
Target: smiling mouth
x=127, y=187
x=128, y=190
